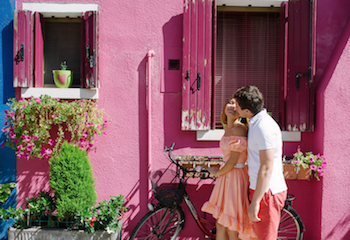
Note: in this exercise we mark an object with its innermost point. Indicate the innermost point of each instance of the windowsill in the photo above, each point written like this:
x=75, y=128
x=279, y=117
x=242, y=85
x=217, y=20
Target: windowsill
x=62, y=93
x=215, y=135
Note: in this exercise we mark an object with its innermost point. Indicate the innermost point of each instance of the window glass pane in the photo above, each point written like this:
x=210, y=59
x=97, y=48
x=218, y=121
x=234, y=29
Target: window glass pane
x=247, y=53
x=62, y=42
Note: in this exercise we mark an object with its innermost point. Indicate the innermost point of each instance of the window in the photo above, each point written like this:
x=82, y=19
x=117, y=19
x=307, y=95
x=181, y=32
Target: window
x=225, y=48
x=62, y=43
x=43, y=38
x=247, y=53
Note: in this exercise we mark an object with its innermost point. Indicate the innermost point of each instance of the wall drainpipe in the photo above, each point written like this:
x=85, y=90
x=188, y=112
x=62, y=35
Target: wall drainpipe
x=150, y=54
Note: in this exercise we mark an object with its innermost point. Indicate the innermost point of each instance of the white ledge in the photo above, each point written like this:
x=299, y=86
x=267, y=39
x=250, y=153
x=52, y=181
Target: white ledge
x=62, y=93
x=60, y=9
x=215, y=135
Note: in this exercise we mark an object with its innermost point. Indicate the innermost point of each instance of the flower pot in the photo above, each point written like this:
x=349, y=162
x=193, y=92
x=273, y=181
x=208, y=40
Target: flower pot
x=63, y=78
x=292, y=172
x=61, y=234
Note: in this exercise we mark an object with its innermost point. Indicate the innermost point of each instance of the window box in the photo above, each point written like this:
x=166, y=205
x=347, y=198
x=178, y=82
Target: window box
x=291, y=172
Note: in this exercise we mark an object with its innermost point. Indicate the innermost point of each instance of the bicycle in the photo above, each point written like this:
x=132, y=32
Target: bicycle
x=166, y=219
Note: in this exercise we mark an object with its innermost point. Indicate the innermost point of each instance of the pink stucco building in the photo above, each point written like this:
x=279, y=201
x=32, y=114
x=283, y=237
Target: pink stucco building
x=142, y=63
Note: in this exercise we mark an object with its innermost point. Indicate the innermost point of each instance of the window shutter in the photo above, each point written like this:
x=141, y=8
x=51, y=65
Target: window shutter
x=38, y=51
x=300, y=103
x=197, y=61
x=89, y=61
x=22, y=48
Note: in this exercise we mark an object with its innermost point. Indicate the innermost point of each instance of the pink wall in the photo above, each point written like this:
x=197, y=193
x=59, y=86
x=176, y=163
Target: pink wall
x=128, y=30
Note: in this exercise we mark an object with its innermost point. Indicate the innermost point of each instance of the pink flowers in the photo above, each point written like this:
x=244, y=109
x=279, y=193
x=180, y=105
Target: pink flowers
x=50, y=142
x=92, y=221
x=316, y=163
x=35, y=127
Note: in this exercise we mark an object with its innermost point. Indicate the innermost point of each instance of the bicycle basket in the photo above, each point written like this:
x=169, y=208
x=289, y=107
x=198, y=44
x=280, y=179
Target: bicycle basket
x=166, y=186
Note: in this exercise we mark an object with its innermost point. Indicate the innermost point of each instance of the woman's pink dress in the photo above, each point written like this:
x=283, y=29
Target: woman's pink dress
x=229, y=202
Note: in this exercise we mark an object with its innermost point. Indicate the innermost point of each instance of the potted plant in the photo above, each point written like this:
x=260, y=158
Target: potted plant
x=305, y=166
x=63, y=78
x=36, y=127
x=72, y=181
x=71, y=212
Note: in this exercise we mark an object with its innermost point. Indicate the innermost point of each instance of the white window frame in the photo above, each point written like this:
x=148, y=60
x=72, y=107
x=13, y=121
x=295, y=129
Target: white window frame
x=71, y=10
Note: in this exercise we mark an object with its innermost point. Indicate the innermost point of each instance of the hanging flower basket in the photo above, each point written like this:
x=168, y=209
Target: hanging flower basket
x=304, y=166
x=297, y=173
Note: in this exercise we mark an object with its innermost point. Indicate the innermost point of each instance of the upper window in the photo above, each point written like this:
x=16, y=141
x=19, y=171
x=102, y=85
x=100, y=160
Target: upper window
x=247, y=53
x=43, y=38
x=225, y=48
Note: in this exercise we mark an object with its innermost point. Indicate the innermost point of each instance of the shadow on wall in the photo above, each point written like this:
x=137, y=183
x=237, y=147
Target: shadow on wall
x=140, y=189
x=32, y=177
x=343, y=226
x=171, y=86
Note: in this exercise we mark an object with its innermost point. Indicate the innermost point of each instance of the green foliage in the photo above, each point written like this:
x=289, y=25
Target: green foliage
x=72, y=180
x=29, y=125
x=106, y=215
x=64, y=65
x=11, y=213
x=44, y=204
x=5, y=191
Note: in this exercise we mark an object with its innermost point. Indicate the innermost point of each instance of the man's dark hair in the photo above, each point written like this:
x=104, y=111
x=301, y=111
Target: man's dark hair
x=250, y=98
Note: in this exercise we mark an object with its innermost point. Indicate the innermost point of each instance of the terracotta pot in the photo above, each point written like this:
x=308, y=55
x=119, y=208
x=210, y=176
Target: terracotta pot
x=292, y=172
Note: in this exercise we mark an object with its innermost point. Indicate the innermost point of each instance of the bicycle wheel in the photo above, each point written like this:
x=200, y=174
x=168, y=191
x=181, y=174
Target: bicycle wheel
x=161, y=223
x=291, y=227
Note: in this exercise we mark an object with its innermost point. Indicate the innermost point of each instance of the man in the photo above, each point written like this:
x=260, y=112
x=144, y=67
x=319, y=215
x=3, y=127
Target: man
x=267, y=187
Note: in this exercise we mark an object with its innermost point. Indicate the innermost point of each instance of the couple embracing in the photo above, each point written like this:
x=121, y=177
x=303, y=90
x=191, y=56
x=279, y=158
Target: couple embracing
x=247, y=204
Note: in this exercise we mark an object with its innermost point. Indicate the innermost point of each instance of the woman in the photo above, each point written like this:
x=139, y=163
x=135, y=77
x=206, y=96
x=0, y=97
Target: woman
x=228, y=202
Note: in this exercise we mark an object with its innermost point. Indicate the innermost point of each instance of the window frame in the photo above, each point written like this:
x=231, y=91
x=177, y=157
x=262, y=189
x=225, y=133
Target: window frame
x=296, y=114
x=58, y=10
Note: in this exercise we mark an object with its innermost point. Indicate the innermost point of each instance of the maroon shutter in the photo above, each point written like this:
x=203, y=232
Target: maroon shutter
x=283, y=60
x=300, y=66
x=22, y=48
x=197, y=63
x=38, y=51
x=89, y=62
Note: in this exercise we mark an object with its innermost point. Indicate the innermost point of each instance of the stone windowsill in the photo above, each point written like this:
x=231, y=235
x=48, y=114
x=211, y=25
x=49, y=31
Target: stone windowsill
x=61, y=93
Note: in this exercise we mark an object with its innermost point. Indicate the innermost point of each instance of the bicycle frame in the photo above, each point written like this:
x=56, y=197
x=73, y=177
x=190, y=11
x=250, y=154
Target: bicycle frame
x=201, y=222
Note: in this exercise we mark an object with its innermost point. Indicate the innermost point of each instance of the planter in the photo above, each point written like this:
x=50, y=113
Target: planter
x=63, y=78
x=291, y=172
x=59, y=234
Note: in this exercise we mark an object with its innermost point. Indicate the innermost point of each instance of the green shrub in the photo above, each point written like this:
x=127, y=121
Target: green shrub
x=72, y=181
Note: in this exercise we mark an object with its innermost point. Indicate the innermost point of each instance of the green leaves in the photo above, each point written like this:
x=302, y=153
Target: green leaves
x=5, y=191
x=106, y=215
x=72, y=180
x=31, y=123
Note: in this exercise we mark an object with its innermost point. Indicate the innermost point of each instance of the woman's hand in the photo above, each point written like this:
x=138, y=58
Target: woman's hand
x=213, y=171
